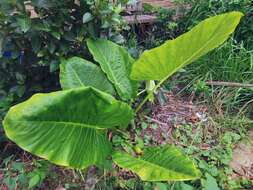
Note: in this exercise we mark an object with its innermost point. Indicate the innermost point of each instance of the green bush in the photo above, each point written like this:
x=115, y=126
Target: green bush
x=35, y=35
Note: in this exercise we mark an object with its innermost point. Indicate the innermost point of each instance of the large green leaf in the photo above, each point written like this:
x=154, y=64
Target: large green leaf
x=77, y=72
x=116, y=63
x=164, y=163
x=161, y=62
x=67, y=127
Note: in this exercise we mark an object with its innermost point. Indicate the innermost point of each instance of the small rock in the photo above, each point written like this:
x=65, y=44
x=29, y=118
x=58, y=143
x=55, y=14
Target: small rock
x=242, y=160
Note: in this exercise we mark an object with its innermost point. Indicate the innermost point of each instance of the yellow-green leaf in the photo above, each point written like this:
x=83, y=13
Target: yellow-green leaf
x=161, y=62
x=164, y=163
x=67, y=127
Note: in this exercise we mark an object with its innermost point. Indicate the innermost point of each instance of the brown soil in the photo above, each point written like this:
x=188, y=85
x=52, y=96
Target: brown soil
x=242, y=163
x=174, y=112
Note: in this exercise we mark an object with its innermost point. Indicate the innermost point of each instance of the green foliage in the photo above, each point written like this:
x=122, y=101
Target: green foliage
x=175, y=54
x=38, y=174
x=158, y=164
x=214, y=157
x=163, y=61
x=51, y=130
x=36, y=34
x=77, y=72
x=54, y=29
x=16, y=175
x=231, y=63
x=116, y=63
x=80, y=117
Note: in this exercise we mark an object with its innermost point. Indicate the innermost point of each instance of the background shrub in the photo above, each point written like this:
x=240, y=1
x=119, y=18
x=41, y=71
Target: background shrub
x=35, y=35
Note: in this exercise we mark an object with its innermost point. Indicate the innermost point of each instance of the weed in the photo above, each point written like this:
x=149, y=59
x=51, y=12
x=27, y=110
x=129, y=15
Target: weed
x=211, y=146
x=16, y=175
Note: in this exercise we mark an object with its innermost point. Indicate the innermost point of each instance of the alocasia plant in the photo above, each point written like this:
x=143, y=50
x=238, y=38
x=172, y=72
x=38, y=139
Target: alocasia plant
x=69, y=127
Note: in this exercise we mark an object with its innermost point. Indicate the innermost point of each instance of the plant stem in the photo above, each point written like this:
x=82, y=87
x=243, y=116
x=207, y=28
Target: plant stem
x=149, y=95
x=81, y=174
x=122, y=132
x=141, y=92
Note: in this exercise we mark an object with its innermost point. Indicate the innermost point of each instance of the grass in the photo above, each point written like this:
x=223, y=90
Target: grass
x=229, y=63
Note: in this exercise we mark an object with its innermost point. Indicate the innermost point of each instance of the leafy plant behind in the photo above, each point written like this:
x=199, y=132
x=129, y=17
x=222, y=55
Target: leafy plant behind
x=116, y=63
x=77, y=72
x=69, y=127
x=36, y=34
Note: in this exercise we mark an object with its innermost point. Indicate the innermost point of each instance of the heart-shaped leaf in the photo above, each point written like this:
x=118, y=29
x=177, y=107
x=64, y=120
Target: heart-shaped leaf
x=67, y=127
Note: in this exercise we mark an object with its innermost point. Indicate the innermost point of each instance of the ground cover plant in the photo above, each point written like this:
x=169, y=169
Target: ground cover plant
x=209, y=138
x=45, y=122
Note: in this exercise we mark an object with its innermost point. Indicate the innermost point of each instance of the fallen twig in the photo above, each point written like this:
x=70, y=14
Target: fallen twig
x=229, y=84
x=156, y=121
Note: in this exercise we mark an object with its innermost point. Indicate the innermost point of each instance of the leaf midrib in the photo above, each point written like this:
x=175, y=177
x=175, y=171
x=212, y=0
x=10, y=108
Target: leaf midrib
x=196, y=53
x=76, y=75
x=187, y=176
x=163, y=168
x=113, y=80
x=95, y=127
x=190, y=58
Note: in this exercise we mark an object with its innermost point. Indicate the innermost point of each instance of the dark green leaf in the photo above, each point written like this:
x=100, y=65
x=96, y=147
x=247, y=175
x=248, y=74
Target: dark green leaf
x=77, y=72
x=24, y=23
x=116, y=63
x=87, y=17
